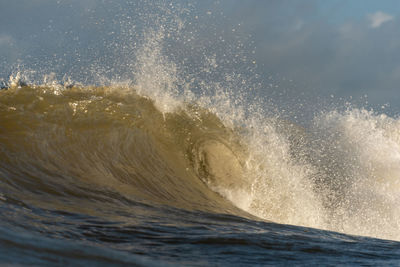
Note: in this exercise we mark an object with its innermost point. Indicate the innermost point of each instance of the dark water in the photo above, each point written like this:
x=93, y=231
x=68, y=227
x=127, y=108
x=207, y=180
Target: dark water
x=177, y=237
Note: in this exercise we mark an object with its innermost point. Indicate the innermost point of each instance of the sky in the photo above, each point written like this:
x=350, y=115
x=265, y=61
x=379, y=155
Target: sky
x=324, y=48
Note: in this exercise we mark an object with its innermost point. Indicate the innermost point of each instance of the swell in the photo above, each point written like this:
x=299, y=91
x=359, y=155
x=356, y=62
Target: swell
x=105, y=144
x=93, y=150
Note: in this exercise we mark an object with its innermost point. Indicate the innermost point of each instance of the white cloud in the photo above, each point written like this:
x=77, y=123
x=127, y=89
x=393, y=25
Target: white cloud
x=378, y=18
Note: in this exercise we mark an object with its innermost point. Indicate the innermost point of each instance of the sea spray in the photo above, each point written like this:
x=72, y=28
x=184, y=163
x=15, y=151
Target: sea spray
x=359, y=152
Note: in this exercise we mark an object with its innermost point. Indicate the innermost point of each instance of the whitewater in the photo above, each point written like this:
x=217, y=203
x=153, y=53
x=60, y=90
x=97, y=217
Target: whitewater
x=169, y=166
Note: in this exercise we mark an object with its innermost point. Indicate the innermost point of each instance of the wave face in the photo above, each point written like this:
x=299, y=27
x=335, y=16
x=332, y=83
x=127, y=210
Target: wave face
x=85, y=142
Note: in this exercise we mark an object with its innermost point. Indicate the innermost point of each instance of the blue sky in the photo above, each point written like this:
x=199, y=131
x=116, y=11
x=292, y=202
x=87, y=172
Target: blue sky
x=308, y=47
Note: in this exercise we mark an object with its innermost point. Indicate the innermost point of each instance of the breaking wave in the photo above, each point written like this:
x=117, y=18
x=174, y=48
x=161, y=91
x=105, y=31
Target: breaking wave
x=196, y=138
x=78, y=144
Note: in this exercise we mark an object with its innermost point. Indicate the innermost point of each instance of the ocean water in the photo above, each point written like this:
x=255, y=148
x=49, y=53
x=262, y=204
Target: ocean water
x=177, y=157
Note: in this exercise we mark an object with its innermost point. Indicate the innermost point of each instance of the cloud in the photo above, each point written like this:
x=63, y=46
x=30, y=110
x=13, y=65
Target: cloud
x=378, y=18
x=326, y=55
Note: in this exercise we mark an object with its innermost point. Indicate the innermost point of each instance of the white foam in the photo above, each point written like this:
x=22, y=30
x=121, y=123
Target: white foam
x=365, y=148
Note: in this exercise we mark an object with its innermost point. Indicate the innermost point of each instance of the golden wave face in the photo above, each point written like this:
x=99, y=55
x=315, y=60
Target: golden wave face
x=85, y=143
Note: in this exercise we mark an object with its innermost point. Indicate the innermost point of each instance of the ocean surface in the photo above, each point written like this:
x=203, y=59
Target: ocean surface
x=183, y=160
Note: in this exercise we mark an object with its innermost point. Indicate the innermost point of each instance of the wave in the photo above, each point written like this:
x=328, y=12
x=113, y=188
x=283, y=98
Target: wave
x=76, y=145
x=161, y=119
